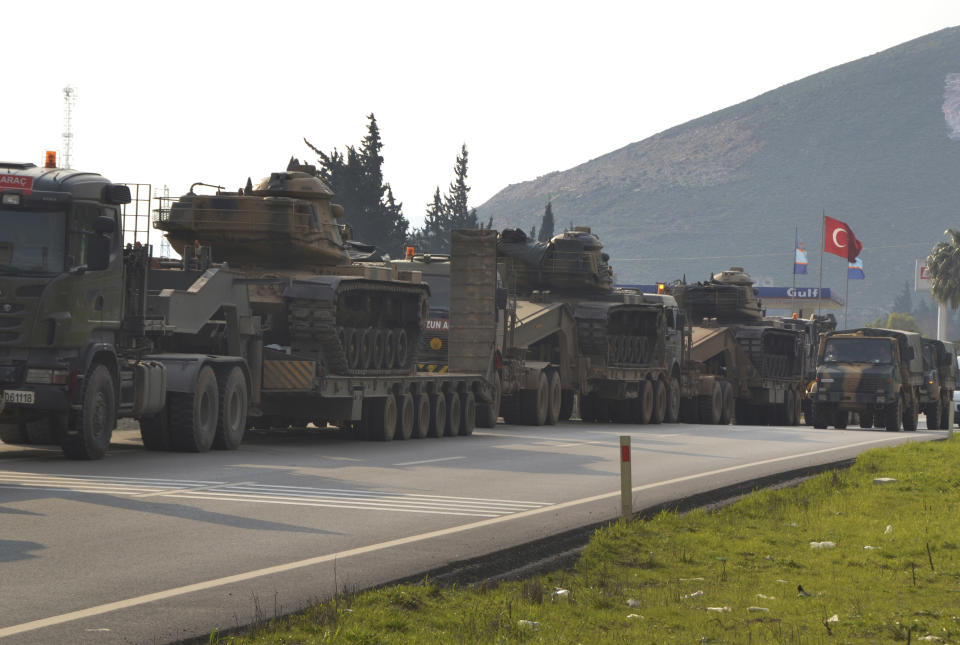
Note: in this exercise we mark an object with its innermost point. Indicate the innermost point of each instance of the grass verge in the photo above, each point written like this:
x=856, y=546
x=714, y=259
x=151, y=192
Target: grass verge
x=841, y=558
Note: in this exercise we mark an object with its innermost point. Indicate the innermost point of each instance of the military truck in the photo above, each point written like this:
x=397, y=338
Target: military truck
x=876, y=373
x=939, y=382
x=811, y=328
x=91, y=329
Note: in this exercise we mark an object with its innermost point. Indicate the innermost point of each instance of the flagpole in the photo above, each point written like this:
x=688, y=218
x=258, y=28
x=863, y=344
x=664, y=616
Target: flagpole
x=846, y=296
x=823, y=243
x=796, y=245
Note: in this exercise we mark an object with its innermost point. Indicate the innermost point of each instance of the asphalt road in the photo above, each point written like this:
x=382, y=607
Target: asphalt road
x=146, y=547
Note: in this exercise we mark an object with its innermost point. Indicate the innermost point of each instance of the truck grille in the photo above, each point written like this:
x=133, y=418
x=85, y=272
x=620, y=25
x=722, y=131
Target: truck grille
x=9, y=375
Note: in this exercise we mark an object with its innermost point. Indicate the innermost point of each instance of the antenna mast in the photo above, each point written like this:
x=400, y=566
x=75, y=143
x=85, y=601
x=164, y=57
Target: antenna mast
x=69, y=99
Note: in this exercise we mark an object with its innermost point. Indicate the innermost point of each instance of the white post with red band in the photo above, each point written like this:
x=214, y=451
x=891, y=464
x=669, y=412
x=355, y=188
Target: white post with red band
x=626, y=487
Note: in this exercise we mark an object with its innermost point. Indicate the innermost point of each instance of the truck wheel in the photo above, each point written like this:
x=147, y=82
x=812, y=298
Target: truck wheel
x=840, y=419
x=487, y=413
x=438, y=415
x=821, y=414
x=659, y=402
x=711, y=406
x=892, y=415
x=382, y=424
x=88, y=436
x=469, y=417
x=645, y=400
x=155, y=431
x=232, y=412
x=554, y=394
x=866, y=420
x=421, y=416
x=588, y=410
x=453, y=414
x=910, y=414
x=933, y=416
x=566, y=404
x=672, y=414
x=405, y=416
x=193, y=417
x=533, y=403
x=729, y=404
x=945, y=413
x=13, y=433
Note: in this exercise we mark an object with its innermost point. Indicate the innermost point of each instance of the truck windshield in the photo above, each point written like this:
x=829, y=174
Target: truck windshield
x=31, y=241
x=858, y=350
x=439, y=290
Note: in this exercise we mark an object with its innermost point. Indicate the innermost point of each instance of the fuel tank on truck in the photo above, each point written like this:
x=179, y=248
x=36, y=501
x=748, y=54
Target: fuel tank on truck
x=313, y=300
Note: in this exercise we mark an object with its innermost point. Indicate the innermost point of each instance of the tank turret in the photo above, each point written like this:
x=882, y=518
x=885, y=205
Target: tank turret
x=728, y=296
x=571, y=262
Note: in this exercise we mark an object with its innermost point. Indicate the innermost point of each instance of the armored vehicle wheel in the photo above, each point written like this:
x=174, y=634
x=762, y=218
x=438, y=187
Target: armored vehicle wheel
x=468, y=419
x=822, y=415
x=892, y=415
x=933, y=416
x=402, y=349
x=554, y=396
x=233, y=411
x=421, y=415
x=588, y=410
x=351, y=346
x=659, y=401
x=454, y=414
x=155, y=430
x=376, y=349
x=910, y=414
x=193, y=417
x=729, y=404
x=88, y=436
x=567, y=398
x=672, y=414
x=866, y=420
x=711, y=406
x=533, y=403
x=487, y=413
x=389, y=349
x=365, y=343
x=382, y=421
x=13, y=433
x=645, y=398
x=406, y=415
x=840, y=419
x=438, y=415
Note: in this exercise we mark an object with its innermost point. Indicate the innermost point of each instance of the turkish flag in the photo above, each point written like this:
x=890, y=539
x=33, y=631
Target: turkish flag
x=839, y=239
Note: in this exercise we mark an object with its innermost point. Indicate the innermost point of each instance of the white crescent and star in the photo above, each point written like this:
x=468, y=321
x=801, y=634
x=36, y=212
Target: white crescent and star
x=836, y=240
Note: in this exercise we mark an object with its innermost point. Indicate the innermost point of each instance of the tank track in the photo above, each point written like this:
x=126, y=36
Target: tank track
x=359, y=342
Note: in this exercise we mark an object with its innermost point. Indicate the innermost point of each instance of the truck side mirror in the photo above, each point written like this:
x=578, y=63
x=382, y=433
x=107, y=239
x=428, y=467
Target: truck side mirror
x=104, y=225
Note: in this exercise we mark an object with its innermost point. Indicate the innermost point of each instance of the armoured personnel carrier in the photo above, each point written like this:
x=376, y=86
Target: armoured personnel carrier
x=314, y=301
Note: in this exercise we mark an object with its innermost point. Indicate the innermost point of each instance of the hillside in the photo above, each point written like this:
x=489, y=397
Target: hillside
x=874, y=142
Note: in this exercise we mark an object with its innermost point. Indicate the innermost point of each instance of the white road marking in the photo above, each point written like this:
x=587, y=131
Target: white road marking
x=372, y=548
x=427, y=461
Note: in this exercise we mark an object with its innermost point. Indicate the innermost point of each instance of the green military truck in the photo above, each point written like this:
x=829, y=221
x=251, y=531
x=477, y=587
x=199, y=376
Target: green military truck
x=876, y=373
x=939, y=381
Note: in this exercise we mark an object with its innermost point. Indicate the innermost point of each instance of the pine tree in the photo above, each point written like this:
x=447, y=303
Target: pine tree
x=546, y=224
x=455, y=200
x=435, y=234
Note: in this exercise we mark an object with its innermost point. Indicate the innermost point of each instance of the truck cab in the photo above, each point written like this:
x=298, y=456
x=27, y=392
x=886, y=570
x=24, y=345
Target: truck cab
x=939, y=381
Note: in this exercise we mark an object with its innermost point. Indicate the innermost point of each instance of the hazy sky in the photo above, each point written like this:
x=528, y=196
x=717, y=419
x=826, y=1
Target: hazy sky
x=175, y=92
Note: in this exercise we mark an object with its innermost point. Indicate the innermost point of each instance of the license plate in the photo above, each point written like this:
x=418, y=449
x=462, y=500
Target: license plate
x=19, y=396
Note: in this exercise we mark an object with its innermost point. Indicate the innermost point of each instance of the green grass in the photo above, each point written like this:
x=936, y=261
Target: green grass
x=641, y=581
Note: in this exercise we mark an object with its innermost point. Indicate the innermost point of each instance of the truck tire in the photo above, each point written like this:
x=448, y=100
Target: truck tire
x=933, y=416
x=13, y=433
x=945, y=412
x=232, y=417
x=710, y=407
x=155, y=431
x=892, y=415
x=88, y=436
x=910, y=416
x=405, y=416
x=566, y=404
x=193, y=417
x=659, y=402
x=438, y=415
x=672, y=414
x=468, y=418
x=866, y=420
x=487, y=413
x=645, y=401
x=554, y=394
x=729, y=404
x=533, y=403
x=822, y=414
x=454, y=414
x=382, y=422
x=840, y=419
x=421, y=415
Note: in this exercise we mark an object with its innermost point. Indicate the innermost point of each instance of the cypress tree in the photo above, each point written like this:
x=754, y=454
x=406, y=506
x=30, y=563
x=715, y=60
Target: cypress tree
x=546, y=224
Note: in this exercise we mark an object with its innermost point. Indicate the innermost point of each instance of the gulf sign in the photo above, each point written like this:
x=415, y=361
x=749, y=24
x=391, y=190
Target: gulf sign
x=16, y=182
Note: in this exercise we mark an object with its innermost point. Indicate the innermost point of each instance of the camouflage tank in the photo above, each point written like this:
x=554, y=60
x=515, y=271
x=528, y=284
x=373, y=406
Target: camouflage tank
x=314, y=301
x=614, y=326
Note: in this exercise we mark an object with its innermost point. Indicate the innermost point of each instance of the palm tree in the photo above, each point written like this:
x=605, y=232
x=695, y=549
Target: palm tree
x=943, y=264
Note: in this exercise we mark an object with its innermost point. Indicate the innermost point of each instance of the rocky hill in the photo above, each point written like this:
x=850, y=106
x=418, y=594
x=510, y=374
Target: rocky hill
x=874, y=142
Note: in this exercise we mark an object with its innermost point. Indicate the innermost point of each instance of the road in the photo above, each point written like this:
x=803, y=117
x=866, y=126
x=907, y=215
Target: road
x=147, y=547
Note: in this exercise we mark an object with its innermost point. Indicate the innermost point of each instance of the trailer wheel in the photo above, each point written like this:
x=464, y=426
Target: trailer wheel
x=933, y=415
x=454, y=413
x=910, y=413
x=155, y=431
x=659, y=402
x=892, y=415
x=193, y=417
x=711, y=406
x=487, y=413
x=645, y=401
x=421, y=415
x=438, y=414
x=567, y=398
x=468, y=419
x=672, y=413
x=729, y=403
x=88, y=436
x=405, y=416
x=533, y=403
x=382, y=424
x=233, y=411
x=554, y=398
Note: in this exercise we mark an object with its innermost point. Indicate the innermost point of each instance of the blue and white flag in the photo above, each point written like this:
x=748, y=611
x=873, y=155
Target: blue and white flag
x=800, y=260
x=855, y=270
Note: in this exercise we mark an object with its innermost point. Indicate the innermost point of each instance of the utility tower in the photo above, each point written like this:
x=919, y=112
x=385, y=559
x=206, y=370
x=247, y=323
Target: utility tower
x=69, y=99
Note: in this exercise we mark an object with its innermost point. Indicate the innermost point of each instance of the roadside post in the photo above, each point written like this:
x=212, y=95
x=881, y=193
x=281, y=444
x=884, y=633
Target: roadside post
x=626, y=486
